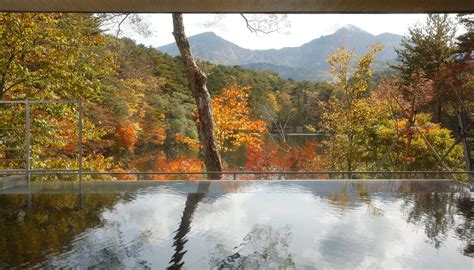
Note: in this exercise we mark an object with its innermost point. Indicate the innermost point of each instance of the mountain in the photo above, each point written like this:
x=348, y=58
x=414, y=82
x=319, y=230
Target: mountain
x=306, y=62
x=294, y=73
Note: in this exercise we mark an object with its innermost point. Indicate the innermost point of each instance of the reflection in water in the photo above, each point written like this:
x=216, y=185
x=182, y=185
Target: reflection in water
x=433, y=212
x=180, y=240
x=263, y=247
x=243, y=225
x=192, y=201
x=464, y=229
x=29, y=232
x=436, y=212
x=344, y=198
x=129, y=230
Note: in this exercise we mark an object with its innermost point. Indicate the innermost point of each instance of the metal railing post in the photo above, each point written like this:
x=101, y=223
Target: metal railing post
x=79, y=127
x=28, y=145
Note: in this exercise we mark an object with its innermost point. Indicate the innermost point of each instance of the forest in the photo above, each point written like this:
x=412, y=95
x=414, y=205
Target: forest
x=140, y=116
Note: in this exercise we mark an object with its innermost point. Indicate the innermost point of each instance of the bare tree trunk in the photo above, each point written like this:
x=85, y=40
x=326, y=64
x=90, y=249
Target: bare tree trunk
x=197, y=85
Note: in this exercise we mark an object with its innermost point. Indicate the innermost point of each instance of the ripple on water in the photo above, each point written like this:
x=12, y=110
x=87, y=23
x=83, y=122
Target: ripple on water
x=287, y=224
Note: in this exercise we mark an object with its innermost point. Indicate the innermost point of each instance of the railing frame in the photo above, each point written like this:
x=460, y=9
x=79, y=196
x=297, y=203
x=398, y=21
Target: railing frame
x=234, y=174
x=28, y=103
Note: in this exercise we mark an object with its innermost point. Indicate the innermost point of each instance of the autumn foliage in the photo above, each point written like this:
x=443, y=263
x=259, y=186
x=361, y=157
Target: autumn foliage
x=234, y=123
x=179, y=165
x=138, y=111
x=275, y=158
x=127, y=136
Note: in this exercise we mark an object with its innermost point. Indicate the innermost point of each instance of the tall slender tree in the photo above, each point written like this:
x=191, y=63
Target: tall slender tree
x=197, y=80
x=348, y=119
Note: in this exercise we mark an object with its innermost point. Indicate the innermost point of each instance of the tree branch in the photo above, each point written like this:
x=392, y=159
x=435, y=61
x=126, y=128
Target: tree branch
x=266, y=25
x=119, y=25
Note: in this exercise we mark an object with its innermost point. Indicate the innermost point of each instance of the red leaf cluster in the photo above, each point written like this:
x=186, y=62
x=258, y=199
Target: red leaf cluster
x=275, y=158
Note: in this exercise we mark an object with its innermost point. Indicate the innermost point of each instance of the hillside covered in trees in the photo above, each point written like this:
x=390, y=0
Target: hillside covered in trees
x=140, y=116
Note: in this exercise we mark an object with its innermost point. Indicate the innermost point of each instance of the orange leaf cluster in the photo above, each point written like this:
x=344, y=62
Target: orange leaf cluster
x=179, y=165
x=158, y=134
x=126, y=135
x=234, y=124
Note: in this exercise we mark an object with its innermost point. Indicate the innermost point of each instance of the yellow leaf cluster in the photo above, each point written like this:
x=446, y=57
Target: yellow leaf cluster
x=193, y=144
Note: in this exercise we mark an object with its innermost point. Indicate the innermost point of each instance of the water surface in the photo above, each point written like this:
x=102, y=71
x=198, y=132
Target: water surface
x=239, y=225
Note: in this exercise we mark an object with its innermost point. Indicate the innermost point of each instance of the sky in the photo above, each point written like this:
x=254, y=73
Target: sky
x=303, y=28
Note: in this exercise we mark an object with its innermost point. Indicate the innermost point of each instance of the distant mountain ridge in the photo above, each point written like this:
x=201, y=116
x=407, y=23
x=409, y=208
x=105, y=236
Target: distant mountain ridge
x=306, y=62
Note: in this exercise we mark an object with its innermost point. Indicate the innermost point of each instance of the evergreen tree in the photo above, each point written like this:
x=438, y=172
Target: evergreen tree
x=465, y=42
x=426, y=50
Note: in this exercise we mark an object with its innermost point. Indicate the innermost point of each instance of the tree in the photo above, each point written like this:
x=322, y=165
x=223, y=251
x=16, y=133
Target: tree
x=416, y=143
x=349, y=119
x=465, y=42
x=462, y=71
x=406, y=101
x=234, y=125
x=426, y=50
x=197, y=80
x=51, y=56
x=197, y=85
x=42, y=54
x=276, y=158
